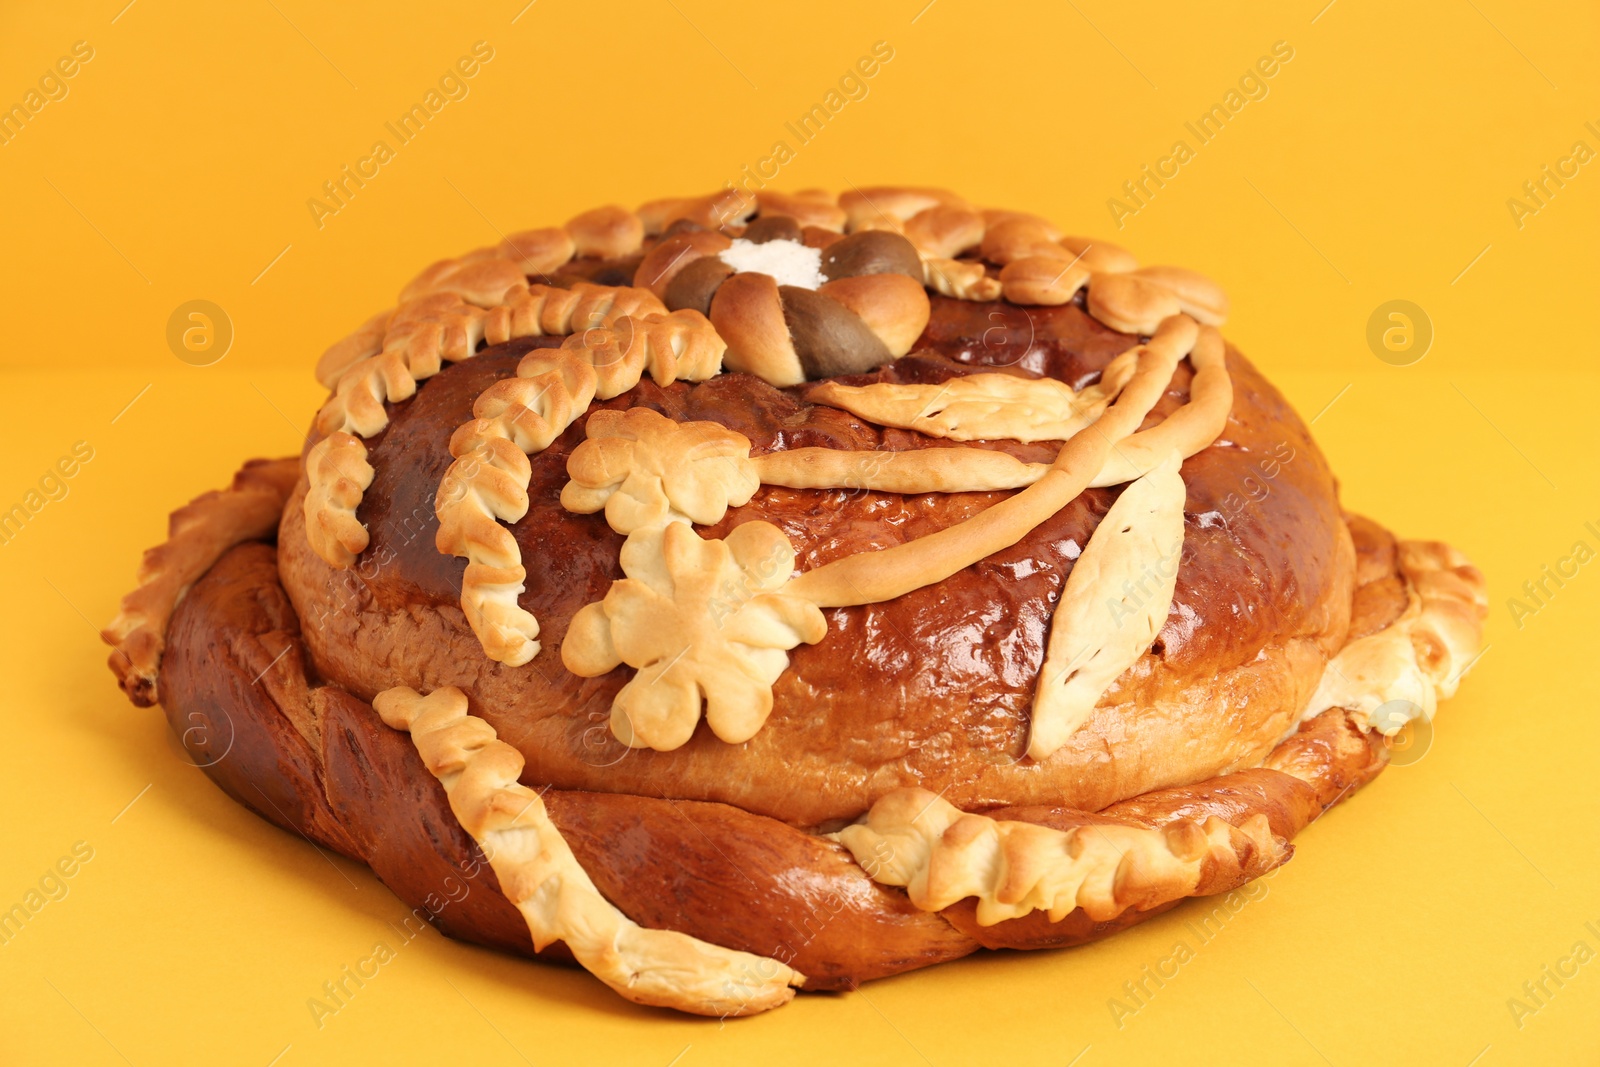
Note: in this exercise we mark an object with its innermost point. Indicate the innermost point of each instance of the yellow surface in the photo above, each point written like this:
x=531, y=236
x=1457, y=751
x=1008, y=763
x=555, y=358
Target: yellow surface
x=1378, y=167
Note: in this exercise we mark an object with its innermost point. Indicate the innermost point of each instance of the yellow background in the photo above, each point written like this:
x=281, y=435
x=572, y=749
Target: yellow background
x=1377, y=168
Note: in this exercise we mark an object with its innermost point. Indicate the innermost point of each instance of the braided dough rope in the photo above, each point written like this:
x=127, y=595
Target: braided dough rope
x=540, y=876
x=521, y=415
x=1107, y=617
x=942, y=855
x=440, y=321
x=873, y=577
x=197, y=536
x=1421, y=656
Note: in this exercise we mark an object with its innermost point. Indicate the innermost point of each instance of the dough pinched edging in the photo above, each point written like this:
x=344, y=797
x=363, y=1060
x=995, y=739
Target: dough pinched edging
x=942, y=855
x=444, y=316
x=197, y=535
x=1420, y=657
x=540, y=876
x=337, y=475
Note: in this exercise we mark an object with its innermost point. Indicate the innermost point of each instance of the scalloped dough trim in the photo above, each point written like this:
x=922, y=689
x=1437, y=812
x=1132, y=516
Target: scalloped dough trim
x=197, y=536
x=545, y=882
x=1419, y=658
x=337, y=474
x=440, y=321
x=942, y=855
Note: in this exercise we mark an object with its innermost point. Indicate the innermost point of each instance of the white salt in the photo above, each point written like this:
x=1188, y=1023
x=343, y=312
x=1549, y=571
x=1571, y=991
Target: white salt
x=788, y=262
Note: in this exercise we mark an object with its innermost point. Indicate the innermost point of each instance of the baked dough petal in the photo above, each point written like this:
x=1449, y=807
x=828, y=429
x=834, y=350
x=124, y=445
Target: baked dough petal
x=1114, y=603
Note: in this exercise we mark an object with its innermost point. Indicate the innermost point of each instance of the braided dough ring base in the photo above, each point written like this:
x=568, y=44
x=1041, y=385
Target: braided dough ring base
x=197, y=536
x=318, y=762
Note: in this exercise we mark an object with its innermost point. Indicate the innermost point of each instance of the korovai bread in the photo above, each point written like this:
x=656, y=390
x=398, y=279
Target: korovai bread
x=742, y=597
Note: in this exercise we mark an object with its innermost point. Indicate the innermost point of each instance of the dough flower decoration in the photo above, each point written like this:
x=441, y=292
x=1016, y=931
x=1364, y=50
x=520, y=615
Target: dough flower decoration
x=704, y=622
x=646, y=470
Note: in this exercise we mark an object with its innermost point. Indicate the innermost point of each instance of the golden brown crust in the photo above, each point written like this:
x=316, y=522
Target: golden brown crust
x=1012, y=868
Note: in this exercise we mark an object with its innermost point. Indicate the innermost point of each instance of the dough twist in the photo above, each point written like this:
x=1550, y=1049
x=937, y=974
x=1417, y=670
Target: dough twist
x=540, y=876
